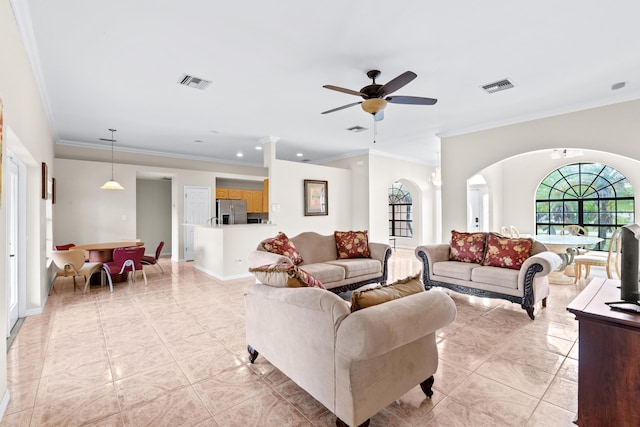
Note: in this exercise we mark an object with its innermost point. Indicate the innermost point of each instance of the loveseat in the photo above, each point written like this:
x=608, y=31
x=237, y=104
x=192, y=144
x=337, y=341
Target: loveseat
x=353, y=363
x=319, y=256
x=465, y=268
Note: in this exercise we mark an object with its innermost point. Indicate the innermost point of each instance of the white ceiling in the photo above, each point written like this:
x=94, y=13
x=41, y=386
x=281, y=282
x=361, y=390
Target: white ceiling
x=103, y=64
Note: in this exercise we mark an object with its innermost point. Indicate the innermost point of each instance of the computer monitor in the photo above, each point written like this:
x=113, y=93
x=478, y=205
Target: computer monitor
x=629, y=266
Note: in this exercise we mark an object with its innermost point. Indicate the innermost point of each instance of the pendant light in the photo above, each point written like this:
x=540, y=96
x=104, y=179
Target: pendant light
x=112, y=184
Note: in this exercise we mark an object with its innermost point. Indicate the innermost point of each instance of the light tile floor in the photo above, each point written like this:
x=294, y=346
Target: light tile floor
x=173, y=353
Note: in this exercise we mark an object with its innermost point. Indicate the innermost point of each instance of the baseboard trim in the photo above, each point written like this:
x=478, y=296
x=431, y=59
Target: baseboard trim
x=223, y=278
x=4, y=403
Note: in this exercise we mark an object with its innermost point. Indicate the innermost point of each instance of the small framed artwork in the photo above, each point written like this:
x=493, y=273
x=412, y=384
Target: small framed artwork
x=316, y=198
x=53, y=191
x=45, y=181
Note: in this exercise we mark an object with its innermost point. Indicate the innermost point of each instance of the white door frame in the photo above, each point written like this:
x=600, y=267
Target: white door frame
x=188, y=228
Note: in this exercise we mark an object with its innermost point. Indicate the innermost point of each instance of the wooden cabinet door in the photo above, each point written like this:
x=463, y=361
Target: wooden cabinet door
x=235, y=194
x=265, y=196
x=247, y=195
x=222, y=193
x=256, y=198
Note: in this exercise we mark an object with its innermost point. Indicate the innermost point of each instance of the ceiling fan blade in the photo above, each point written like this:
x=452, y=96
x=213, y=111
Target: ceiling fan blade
x=413, y=100
x=397, y=83
x=341, y=108
x=341, y=89
x=378, y=116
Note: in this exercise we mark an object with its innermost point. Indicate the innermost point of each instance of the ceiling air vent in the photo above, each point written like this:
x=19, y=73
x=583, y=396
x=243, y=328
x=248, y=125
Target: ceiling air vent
x=356, y=129
x=498, y=86
x=194, y=82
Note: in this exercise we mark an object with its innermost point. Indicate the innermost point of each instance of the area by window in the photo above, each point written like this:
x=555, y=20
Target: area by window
x=400, y=203
x=592, y=195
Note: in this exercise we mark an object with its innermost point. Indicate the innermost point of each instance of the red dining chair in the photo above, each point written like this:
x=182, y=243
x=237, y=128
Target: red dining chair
x=65, y=247
x=149, y=260
x=126, y=260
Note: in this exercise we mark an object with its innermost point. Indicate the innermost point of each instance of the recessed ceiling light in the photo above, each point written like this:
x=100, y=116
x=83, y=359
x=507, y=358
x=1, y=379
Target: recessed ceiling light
x=239, y=155
x=299, y=154
x=356, y=129
x=618, y=85
x=213, y=131
x=258, y=147
x=198, y=140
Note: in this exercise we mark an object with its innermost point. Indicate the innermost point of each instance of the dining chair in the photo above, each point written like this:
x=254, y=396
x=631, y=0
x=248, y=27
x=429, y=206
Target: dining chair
x=72, y=263
x=65, y=247
x=611, y=259
x=126, y=261
x=509, y=231
x=149, y=260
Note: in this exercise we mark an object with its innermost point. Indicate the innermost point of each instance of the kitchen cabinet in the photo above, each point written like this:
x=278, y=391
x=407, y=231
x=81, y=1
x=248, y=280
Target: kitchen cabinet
x=235, y=194
x=254, y=198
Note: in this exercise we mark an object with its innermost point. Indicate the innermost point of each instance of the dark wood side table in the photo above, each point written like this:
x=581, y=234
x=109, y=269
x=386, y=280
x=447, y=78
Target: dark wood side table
x=609, y=358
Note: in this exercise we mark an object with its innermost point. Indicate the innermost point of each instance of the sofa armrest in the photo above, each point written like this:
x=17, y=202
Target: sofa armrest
x=549, y=261
x=434, y=253
x=376, y=330
x=260, y=258
x=378, y=251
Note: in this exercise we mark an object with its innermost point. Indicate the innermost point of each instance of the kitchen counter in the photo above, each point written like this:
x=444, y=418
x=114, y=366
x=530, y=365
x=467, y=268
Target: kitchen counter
x=221, y=250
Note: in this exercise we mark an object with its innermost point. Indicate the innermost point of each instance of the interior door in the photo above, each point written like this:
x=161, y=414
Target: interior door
x=12, y=244
x=197, y=210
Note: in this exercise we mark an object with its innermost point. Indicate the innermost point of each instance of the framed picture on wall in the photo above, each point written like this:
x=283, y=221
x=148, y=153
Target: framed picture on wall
x=53, y=191
x=316, y=198
x=45, y=181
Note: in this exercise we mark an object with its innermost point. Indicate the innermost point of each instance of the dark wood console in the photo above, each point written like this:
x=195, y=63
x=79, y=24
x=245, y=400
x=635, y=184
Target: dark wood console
x=609, y=358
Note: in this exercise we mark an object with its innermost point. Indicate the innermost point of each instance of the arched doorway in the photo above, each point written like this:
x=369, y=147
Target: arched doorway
x=592, y=195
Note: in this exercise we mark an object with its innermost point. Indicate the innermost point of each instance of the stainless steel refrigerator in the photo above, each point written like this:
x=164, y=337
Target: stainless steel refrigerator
x=231, y=211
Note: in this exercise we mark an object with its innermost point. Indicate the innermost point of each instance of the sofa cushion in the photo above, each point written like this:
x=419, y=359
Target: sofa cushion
x=315, y=247
x=454, y=269
x=326, y=273
x=467, y=247
x=285, y=276
x=352, y=244
x=281, y=245
x=370, y=296
x=505, y=252
x=497, y=276
x=358, y=266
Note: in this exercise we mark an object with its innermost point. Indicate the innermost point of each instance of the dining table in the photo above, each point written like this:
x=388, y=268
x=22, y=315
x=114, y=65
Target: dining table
x=103, y=252
x=565, y=246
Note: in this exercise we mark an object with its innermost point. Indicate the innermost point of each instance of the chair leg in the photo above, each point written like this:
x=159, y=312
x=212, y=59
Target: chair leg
x=144, y=275
x=159, y=266
x=108, y=274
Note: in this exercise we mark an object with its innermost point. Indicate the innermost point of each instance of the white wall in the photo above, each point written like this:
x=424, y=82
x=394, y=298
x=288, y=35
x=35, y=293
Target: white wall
x=31, y=141
x=286, y=190
x=153, y=214
x=613, y=128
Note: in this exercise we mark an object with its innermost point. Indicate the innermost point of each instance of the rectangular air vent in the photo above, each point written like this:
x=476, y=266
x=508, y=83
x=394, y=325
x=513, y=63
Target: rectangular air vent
x=498, y=86
x=194, y=82
x=356, y=129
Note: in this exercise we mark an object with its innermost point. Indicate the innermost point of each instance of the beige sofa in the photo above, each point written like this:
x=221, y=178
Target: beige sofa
x=525, y=286
x=320, y=257
x=355, y=364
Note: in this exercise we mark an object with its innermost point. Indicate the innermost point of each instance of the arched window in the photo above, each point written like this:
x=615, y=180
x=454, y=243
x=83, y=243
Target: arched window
x=593, y=195
x=400, y=211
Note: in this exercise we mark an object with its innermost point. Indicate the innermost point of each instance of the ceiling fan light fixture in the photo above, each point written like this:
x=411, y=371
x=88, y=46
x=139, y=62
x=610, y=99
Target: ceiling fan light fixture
x=374, y=105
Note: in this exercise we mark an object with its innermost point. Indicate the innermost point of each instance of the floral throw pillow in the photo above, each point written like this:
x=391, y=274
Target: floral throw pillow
x=505, y=252
x=308, y=280
x=285, y=276
x=467, y=247
x=352, y=244
x=281, y=245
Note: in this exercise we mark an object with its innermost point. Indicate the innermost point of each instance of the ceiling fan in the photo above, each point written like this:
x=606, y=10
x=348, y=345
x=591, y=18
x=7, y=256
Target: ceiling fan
x=374, y=94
